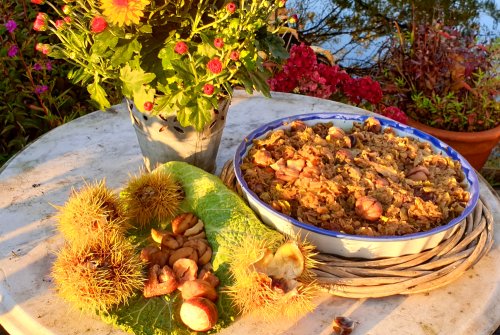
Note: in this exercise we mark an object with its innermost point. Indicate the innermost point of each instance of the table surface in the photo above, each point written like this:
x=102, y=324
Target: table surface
x=103, y=144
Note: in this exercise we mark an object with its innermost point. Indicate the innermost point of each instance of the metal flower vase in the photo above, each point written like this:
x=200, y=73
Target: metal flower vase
x=163, y=139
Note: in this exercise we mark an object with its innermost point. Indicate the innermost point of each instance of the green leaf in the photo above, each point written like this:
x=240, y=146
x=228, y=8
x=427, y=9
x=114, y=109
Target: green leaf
x=206, y=50
x=202, y=115
x=184, y=115
x=123, y=53
x=167, y=55
x=259, y=80
x=103, y=41
x=276, y=47
x=164, y=107
x=98, y=94
x=146, y=29
x=246, y=81
x=78, y=39
x=248, y=59
x=183, y=70
x=79, y=75
x=142, y=95
x=57, y=54
x=133, y=79
x=178, y=98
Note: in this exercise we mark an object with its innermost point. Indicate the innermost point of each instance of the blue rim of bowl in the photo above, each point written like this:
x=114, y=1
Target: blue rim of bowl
x=467, y=169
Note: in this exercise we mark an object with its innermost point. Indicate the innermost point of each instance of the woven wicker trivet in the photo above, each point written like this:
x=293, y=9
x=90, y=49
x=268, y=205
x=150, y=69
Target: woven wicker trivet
x=428, y=270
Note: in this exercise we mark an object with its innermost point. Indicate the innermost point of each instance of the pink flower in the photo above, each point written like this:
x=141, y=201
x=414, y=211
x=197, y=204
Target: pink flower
x=208, y=89
x=365, y=88
x=215, y=66
x=39, y=89
x=218, y=43
x=98, y=24
x=11, y=25
x=59, y=24
x=234, y=55
x=40, y=23
x=12, y=52
x=43, y=48
x=48, y=66
x=394, y=113
x=302, y=74
x=231, y=7
x=37, y=67
x=67, y=19
x=181, y=48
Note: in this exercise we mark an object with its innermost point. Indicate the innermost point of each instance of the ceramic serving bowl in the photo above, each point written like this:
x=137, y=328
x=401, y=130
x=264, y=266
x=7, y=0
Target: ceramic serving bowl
x=346, y=245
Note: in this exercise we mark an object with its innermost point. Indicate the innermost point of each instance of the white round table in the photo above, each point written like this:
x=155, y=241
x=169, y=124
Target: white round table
x=104, y=145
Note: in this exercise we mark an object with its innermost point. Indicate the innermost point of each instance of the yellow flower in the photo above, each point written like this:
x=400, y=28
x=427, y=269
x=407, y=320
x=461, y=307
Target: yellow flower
x=120, y=12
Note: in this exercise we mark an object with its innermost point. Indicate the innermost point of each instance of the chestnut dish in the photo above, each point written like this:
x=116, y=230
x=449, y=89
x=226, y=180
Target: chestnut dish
x=363, y=181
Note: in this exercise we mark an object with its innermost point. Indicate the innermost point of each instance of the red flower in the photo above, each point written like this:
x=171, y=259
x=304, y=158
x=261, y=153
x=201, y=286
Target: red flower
x=181, y=48
x=208, y=89
x=231, y=7
x=38, y=2
x=40, y=23
x=59, y=24
x=234, y=55
x=394, y=113
x=43, y=48
x=218, y=43
x=363, y=89
x=67, y=19
x=98, y=24
x=214, y=66
x=293, y=19
x=148, y=106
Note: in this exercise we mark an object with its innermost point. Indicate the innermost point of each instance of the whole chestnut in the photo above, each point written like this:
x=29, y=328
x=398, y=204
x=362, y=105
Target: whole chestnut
x=368, y=208
x=373, y=125
x=199, y=314
x=418, y=173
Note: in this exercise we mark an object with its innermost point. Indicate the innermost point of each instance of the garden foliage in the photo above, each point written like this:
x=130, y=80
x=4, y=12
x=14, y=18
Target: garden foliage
x=34, y=94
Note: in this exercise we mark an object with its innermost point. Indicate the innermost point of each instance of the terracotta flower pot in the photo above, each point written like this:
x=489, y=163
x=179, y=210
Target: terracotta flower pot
x=474, y=146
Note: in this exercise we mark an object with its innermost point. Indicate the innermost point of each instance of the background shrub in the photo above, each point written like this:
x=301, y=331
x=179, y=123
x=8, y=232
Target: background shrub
x=34, y=94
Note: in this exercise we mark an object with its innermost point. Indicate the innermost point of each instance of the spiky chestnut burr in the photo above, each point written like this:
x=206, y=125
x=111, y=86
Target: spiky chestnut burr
x=153, y=196
x=97, y=276
x=272, y=285
x=88, y=212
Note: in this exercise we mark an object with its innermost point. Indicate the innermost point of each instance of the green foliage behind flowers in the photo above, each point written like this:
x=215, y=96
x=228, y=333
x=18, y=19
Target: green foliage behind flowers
x=442, y=77
x=34, y=97
x=169, y=57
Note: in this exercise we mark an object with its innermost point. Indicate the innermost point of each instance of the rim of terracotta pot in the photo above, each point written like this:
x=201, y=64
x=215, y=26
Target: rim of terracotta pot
x=464, y=136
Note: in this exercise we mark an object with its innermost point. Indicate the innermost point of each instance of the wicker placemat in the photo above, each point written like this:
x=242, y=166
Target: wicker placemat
x=418, y=273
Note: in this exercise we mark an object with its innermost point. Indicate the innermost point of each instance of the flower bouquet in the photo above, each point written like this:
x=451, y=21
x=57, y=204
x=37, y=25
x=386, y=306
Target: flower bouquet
x=175, y=61
x=168, y=57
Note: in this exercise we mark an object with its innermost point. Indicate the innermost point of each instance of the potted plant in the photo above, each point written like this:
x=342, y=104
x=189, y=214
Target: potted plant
x=304, y=73
x=448, y=85
x=176, y=63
